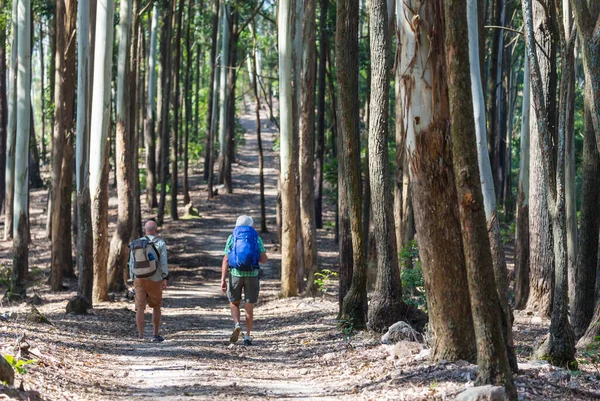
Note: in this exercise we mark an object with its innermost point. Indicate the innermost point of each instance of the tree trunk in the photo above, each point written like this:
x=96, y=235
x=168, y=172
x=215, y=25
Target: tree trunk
x=320, y=147
x=307, y=155
x=559, y=347
x=188, y=102
x=354, y=307
x=117, y=257
x=211, y=94
x=487, y=184
x=165, y=86
x=66, y=14
x=99, y=131
x=23, y=131
x=287, y=176
x=492, y=357
x=175, y=107
x=493, y=84
x=433, y=191
x=85, y=241
x=223, y=112
x=136, y=93
x=522, y=219
x=213, y=116
x=386, y=306
x=229, y=155
x=11, y=127
x=150, y=124
x=42, y=90
x=541, y=276
x=3, y=106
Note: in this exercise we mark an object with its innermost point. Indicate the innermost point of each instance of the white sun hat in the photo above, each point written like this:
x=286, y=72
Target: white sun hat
x=244, y=221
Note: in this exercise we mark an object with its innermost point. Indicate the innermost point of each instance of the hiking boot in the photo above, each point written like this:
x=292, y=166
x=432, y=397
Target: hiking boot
x=247, y=341
x=157, y=339
x=236, y=333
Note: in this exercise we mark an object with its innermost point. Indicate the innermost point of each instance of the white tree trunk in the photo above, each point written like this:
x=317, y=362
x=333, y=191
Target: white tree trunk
x=99, y=125
x=11, y=127
x=226, y=36
x=23, y=131
x=287, y=178
x=83, y=94
x=151, y=102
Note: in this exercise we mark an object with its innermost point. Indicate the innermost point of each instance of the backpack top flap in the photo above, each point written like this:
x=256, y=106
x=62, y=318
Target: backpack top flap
x=244, y=253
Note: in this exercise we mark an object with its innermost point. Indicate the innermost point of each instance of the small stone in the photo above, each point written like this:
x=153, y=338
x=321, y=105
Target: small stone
x=7, y=373
x=482, y=393
x=536, y=320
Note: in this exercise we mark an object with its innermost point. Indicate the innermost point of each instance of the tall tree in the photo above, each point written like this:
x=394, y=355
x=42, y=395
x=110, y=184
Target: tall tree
x=85, y=240
x=11, y=126
x=559, y=347
x=307, y=131
x=150, y=122
x=320, y=147
x=223, y=111
x=165, y=90
x=540, y=227
x=522, y=219
x=99, y=129
x=433, y=191
x=3, y=104
x=492, y=357
x=287, y=176
x=23, y=128
x=175, y=104
x=117, y=257
x=212, y=103
x=188, y=100
x=487, y=182
x=354, y=306
x=387, y=306
x=66, y=17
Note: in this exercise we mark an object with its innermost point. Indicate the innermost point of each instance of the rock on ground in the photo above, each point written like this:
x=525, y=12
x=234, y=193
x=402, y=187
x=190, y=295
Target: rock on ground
x=482, y=393
x=401, y=331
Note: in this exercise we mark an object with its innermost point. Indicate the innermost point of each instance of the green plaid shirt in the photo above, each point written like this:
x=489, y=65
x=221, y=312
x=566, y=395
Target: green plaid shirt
x=235, y=272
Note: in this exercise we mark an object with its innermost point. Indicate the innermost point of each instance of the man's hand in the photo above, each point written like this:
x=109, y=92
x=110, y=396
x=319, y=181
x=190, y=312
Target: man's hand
x=164, y=284
x=223, y=285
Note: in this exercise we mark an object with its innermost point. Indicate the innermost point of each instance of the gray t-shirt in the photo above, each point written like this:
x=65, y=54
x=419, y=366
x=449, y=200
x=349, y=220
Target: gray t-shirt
x=163, y=268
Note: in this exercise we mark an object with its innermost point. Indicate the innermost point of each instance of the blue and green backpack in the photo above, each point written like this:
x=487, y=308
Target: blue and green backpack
x=244, y=253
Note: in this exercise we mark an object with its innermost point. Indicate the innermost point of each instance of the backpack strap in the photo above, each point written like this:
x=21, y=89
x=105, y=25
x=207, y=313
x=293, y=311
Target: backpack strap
x=151, y=242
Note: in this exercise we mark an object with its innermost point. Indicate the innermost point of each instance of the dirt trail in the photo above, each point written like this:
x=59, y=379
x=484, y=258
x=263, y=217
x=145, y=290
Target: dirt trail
x=196, y=359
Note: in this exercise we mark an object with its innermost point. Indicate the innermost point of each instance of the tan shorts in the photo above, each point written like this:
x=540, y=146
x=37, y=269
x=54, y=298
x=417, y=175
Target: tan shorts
x=147, y=291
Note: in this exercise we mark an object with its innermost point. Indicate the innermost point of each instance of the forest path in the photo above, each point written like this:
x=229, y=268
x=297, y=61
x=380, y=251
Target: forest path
x=196, y=361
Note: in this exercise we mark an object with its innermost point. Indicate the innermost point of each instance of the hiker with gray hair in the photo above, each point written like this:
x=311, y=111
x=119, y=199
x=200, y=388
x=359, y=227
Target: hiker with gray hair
x=150, y=273
x=240, y=270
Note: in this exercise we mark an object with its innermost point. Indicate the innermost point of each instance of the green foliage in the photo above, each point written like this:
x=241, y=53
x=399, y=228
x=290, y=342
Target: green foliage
x=18, y=364
x=346, y=325
x=322, y=279
x=411, y=274
x=508, y=232
x=591, y=354
x=5, y=274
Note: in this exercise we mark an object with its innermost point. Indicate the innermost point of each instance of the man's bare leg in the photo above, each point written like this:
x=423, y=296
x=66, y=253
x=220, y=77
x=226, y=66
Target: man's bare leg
x=156, y=313
x=249, y=308
x=235, y=315
x=139, y=321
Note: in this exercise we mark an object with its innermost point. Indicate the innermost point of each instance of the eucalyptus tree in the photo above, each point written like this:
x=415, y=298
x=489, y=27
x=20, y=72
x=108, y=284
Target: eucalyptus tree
x=117, y=257
x=306, y=142
x=3, y=104
x=287, y=176
x=387, y=306
x=223, y=102
x=23, y=131
x=99, y=128
x=11, y=126
x=320, y=135
x=522, y=219
x=559, y=346
x=212, y=99
x=85, y=240
x=354, y=305
x=487, y=180
x=433, y=191
x=66, y=18
x=150, y=122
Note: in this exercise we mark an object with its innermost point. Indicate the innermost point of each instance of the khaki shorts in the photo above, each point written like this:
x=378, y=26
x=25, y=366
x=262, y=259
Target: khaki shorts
x=250, y=285
x=147, y=291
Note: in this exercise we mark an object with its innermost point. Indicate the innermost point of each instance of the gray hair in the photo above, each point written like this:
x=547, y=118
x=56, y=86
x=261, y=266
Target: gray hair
x=244, y=221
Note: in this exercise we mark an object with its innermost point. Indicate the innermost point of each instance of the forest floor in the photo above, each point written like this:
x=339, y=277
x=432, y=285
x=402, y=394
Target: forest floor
x=298, y=351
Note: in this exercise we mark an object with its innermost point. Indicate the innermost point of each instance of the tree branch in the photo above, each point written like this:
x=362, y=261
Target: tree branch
x=520, y=33
x=256, y=10
x=145, y=9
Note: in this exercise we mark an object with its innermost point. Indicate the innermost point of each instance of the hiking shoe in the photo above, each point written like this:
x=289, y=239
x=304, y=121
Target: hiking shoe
x=157, y=339
x=236, y=334
x=247, y=341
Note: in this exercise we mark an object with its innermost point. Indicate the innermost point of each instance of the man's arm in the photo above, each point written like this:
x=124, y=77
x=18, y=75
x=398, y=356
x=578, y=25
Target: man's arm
x=224, y=271
x=164, y=265
x=263, y=257
x=131, y=265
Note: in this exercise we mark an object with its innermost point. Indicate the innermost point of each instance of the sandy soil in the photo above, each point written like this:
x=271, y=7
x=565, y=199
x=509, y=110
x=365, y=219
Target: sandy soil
x=298, y=352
